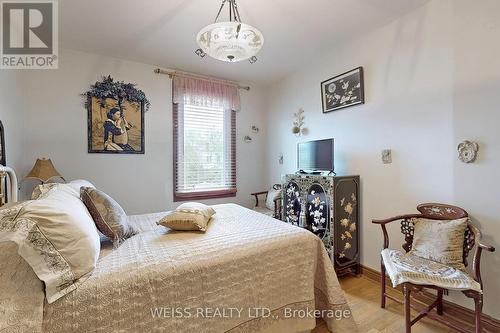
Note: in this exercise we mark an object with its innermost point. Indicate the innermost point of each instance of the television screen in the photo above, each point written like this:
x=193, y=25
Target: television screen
x=315, y=155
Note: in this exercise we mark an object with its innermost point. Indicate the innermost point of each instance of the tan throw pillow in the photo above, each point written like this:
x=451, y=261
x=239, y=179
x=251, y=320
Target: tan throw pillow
x=188, y=216
x=108, y=215
x=440, y=241
x=57, y=238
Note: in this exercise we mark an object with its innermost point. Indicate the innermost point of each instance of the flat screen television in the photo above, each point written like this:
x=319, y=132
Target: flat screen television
x=315, y=155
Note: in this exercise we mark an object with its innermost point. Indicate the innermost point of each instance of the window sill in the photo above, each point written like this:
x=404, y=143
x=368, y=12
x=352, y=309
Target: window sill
x=204, y=195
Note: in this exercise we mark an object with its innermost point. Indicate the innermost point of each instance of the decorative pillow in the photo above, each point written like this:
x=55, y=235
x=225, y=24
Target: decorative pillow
x=271, y=196
x=440, y=241
x=188, y=216
x=57, y=238
x=108, y=215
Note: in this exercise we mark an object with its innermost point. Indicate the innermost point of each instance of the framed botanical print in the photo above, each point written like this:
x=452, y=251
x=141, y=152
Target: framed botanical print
x=343, y=90
x=115, y=127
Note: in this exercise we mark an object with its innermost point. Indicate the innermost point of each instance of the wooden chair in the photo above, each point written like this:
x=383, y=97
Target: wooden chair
x=472, y=237
x=276, y=212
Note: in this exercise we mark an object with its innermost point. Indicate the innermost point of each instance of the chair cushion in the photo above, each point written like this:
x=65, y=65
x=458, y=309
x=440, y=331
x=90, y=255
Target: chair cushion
x=441, y=241
x=407, y=267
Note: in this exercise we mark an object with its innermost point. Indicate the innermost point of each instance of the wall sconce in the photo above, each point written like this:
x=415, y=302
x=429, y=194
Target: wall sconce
x=298, y=123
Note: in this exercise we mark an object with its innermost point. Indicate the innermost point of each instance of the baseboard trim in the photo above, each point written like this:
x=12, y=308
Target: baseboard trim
x=455, y=312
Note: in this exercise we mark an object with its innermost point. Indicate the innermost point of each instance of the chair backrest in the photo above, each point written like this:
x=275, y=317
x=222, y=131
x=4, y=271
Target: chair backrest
x=435, y=211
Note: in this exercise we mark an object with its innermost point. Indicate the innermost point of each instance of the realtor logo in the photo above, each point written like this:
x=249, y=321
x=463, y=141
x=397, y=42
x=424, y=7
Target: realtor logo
x=29, y=35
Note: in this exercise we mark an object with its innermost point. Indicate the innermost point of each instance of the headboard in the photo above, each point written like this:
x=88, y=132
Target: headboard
x=12, y=188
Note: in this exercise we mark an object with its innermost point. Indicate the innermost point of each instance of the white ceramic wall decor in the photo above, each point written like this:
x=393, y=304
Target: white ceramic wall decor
x=467, y=151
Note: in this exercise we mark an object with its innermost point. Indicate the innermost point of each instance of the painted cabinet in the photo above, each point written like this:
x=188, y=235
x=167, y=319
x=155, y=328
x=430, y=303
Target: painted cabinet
x=328, y=206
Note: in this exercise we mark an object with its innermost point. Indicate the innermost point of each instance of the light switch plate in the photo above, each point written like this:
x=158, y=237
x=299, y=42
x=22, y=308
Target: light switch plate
x=387, y=156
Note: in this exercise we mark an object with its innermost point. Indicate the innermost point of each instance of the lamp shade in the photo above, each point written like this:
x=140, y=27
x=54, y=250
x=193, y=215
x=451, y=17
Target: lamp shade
x=230, y=41
x=43, y=170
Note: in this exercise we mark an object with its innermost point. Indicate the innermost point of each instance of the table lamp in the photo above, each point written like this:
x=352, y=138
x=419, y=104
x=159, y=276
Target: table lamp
x=43, y=170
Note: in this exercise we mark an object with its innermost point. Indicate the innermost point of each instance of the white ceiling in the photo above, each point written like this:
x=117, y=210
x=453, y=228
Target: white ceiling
x=162, y=32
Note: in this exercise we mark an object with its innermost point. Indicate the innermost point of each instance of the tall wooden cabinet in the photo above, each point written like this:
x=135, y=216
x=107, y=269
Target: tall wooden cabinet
x=328, y=206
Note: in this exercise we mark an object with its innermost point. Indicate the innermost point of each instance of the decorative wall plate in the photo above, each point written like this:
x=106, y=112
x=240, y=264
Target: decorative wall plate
x=467, y=151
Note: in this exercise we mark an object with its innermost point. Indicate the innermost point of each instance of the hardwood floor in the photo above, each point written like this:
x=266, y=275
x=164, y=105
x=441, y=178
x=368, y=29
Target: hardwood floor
x=363, y=296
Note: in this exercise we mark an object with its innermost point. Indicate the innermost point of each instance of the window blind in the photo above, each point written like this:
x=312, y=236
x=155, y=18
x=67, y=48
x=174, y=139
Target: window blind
x=204, y=152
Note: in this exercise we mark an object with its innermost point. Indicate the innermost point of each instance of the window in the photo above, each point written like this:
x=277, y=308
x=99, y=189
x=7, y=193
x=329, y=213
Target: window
x=204, y=152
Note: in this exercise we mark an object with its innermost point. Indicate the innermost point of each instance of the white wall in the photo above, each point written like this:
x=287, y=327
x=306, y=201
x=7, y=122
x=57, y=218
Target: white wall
x=431, y=80
x=11, y=115
x=476, y=117
x=57, y=125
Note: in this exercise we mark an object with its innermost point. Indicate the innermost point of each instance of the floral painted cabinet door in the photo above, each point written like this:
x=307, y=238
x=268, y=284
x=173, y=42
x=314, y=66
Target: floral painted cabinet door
x=292, y=205
x=318, y=214
x=346, y=221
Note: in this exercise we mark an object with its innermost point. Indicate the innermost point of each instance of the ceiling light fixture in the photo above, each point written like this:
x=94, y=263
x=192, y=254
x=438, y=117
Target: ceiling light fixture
x=230, y=41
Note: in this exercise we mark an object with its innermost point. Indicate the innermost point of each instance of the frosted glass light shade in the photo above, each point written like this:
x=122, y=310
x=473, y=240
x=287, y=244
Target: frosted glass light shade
x=230, y=41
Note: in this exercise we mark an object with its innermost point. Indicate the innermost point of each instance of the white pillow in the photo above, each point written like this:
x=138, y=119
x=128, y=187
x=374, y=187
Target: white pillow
x=56, y=236
x=79, y=183
x=40, y=190
x=271, y=196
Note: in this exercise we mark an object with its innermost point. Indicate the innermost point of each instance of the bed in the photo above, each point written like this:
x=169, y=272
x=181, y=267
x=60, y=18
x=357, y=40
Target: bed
x=247, y=273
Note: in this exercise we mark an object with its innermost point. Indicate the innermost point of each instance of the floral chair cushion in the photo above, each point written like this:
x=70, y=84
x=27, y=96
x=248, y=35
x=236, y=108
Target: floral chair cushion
x=441, y=241
x=407, y=267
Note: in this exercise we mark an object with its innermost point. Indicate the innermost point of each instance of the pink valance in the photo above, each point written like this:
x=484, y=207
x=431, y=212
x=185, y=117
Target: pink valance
x=204, y=92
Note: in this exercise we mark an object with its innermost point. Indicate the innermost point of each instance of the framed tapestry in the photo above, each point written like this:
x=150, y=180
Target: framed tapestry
x=115, y=128
x=343, y=90
x=115, y=117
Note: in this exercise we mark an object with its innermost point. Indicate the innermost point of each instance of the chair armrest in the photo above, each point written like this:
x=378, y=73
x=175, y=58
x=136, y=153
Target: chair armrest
x=396, y=218
x=487, y=247
x=476, y=261
x=256, y=195
x=383, y=222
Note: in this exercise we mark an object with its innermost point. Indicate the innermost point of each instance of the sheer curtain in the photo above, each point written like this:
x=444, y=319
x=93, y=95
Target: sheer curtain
x=204, y=138
x=203, y=92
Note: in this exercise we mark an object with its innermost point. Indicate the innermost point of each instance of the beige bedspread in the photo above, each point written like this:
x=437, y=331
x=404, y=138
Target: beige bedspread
x=21, y=293
x=247, y=273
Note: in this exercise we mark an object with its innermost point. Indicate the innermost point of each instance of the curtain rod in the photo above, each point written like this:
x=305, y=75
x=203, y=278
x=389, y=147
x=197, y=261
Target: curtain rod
x=172, y=73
